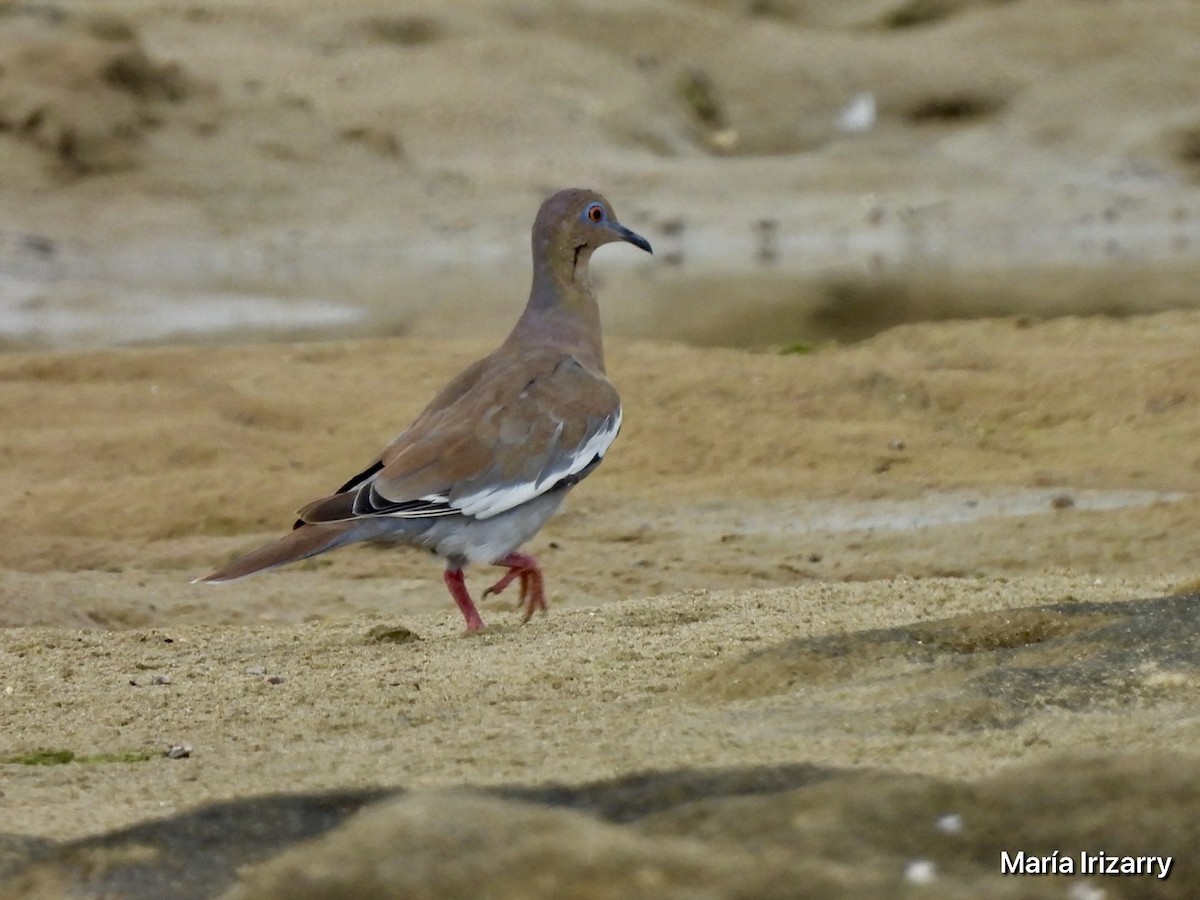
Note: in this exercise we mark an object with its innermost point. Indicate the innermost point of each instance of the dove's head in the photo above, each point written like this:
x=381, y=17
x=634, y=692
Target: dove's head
x=573, y=223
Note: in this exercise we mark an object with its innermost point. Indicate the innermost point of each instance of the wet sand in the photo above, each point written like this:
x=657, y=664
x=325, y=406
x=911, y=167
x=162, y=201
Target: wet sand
x=233, y=168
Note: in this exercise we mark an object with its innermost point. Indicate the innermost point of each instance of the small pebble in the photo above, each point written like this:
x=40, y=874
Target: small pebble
x=859, y=115
x=275, y=679
x=768, y=242
x=179, y=751
x=920, y=871
x=951, y=823
x=392, y=634
x=256, y=670
x=724, y=140
x=161, y=679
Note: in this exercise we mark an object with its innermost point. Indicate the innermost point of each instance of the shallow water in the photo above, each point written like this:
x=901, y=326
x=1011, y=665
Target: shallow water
x=772, y=273
x=927, y=511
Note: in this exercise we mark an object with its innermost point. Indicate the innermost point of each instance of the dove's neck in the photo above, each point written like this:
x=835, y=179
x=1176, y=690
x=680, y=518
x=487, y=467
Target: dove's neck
x=562, y=309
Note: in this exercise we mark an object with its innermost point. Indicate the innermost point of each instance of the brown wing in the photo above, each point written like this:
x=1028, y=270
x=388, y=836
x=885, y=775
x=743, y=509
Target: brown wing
x=513, y=428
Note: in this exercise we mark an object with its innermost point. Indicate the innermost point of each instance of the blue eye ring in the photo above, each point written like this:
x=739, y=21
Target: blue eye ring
x=594, y=213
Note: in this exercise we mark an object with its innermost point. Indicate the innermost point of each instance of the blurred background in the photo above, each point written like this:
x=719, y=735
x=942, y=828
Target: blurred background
x=808, y=170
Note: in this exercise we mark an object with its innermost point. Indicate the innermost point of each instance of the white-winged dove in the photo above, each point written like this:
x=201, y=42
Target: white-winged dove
x=491, y=458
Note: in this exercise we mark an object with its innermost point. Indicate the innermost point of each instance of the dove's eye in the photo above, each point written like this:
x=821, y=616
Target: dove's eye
x=594, y=213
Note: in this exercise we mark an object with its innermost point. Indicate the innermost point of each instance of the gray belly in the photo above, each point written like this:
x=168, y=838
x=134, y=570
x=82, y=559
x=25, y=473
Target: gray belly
x=462, y=539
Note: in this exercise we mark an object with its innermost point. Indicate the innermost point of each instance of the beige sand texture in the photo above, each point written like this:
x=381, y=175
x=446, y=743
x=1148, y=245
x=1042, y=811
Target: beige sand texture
x=860, y=599
x=759, y=576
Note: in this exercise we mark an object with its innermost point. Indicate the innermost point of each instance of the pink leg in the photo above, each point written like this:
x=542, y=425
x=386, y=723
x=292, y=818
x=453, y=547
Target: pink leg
x=458, y=590
x=533, y=595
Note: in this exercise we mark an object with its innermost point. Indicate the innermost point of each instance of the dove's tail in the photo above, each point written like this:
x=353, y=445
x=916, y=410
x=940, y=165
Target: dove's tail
x=305, y=541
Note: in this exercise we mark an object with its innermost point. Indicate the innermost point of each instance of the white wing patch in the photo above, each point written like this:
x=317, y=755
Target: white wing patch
x=492, y=501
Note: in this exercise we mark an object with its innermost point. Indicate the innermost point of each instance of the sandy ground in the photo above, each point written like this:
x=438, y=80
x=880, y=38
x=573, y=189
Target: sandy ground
x=757, y=507
x=892, y=568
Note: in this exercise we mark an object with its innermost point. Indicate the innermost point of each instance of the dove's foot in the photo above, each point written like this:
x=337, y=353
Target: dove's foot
x=533, y=595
